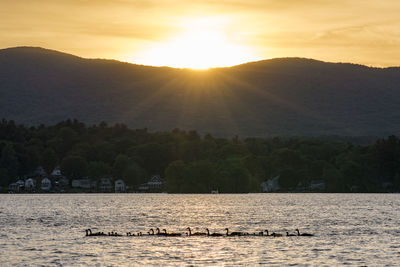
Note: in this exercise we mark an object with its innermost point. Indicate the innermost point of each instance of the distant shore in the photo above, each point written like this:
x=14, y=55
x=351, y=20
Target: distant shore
x=72, y=157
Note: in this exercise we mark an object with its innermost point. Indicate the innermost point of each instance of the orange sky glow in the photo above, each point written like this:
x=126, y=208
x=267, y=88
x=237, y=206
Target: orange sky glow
x=209, y=33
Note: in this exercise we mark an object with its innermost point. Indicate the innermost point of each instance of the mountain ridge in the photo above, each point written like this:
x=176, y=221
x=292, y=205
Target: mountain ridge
x=56, y=52
x=283, y=96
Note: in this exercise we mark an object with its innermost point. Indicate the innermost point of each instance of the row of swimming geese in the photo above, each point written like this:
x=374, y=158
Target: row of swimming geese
x=190, y=233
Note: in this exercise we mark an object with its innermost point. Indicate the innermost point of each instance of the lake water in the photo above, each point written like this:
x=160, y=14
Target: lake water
x=350, y=229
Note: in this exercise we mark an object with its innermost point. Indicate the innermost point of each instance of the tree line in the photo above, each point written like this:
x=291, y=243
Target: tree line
x=194, y=163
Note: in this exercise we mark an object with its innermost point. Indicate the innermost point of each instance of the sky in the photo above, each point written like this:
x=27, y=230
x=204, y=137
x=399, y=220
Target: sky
x=207, y=33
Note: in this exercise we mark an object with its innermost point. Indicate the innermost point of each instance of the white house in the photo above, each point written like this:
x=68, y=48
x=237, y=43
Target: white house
x=105, y=184
x=46, y=184
x=14, y=187
x=20, y=183
x=270, y=185
x=120, y=186
x=30, y=184
x=155, y=184
x=56, y=172
x=17, y=186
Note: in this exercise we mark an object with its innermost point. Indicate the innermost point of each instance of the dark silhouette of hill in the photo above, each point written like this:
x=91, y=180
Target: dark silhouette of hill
x=286, y=96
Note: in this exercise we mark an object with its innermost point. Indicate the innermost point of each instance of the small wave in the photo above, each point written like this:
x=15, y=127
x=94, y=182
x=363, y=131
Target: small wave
x=33, y=249
x=90, y=255
x=321, y=249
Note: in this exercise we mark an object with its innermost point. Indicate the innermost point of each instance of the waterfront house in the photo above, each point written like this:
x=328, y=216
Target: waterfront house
x=46, y=184
x=56, y=172
x=155, y=184
x=120, y=186
x=106, y=185
x=270, y=185
x=13, y=188
x=30, y=184
x=21, y=184
x=16, y=187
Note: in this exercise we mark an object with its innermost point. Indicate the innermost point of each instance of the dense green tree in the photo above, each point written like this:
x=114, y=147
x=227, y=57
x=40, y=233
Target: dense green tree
x=68, y=136
x=5, y=178
x=387, y=157
x=233, y=177
x=134, y=175
x=333, y=179
x=33, y=158
x=98, y=169
x=56, y=144
x=316, y=169
x=49, y=160
x=122, y=162
x=74, y=166
x=191, y=163
x=9, y=162
x=175, y=176
x=352, y=175
x=200, y=177
x=102, y=151
x=153, y=156
x=285, y=158
x=290, y=178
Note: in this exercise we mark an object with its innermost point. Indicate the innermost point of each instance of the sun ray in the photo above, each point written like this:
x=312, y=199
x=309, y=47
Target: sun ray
x=204, y=85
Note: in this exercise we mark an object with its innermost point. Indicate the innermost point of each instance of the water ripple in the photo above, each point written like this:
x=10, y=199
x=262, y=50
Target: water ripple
x=350, y=229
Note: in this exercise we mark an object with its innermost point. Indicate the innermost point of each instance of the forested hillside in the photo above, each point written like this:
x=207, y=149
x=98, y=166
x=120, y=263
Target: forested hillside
x=279, y=97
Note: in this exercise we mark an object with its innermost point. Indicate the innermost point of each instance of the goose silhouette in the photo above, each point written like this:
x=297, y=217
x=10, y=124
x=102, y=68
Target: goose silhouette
x=195, y=233
x=213, y=234
x=303, y=234
x=233, y=233
x=171, y=234
x=287, y=234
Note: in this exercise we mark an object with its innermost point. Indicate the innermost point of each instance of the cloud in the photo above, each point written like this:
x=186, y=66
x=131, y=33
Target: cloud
x=271, y=27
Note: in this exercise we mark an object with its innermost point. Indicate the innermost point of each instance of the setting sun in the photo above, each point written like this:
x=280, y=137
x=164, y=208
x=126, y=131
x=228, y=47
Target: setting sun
x=202, y=44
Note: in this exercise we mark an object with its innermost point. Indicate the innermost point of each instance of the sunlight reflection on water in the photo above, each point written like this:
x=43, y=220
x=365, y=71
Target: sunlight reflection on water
x=353, y=229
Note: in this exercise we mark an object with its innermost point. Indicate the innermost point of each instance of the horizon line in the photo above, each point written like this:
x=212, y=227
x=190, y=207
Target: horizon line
x=188, y=68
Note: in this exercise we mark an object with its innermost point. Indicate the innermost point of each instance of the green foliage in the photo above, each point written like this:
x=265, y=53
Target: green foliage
x=152, y=156
x=49, y=160
x=233, y=176
x=122, y=162
x=175, y=176
x=74, y=166
x=200, y=177
x=333, y=179
x=289, y=178
x=8, y=163
x=134, y=175
x=5, y=178
x=98, y=169
x=190, y=163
